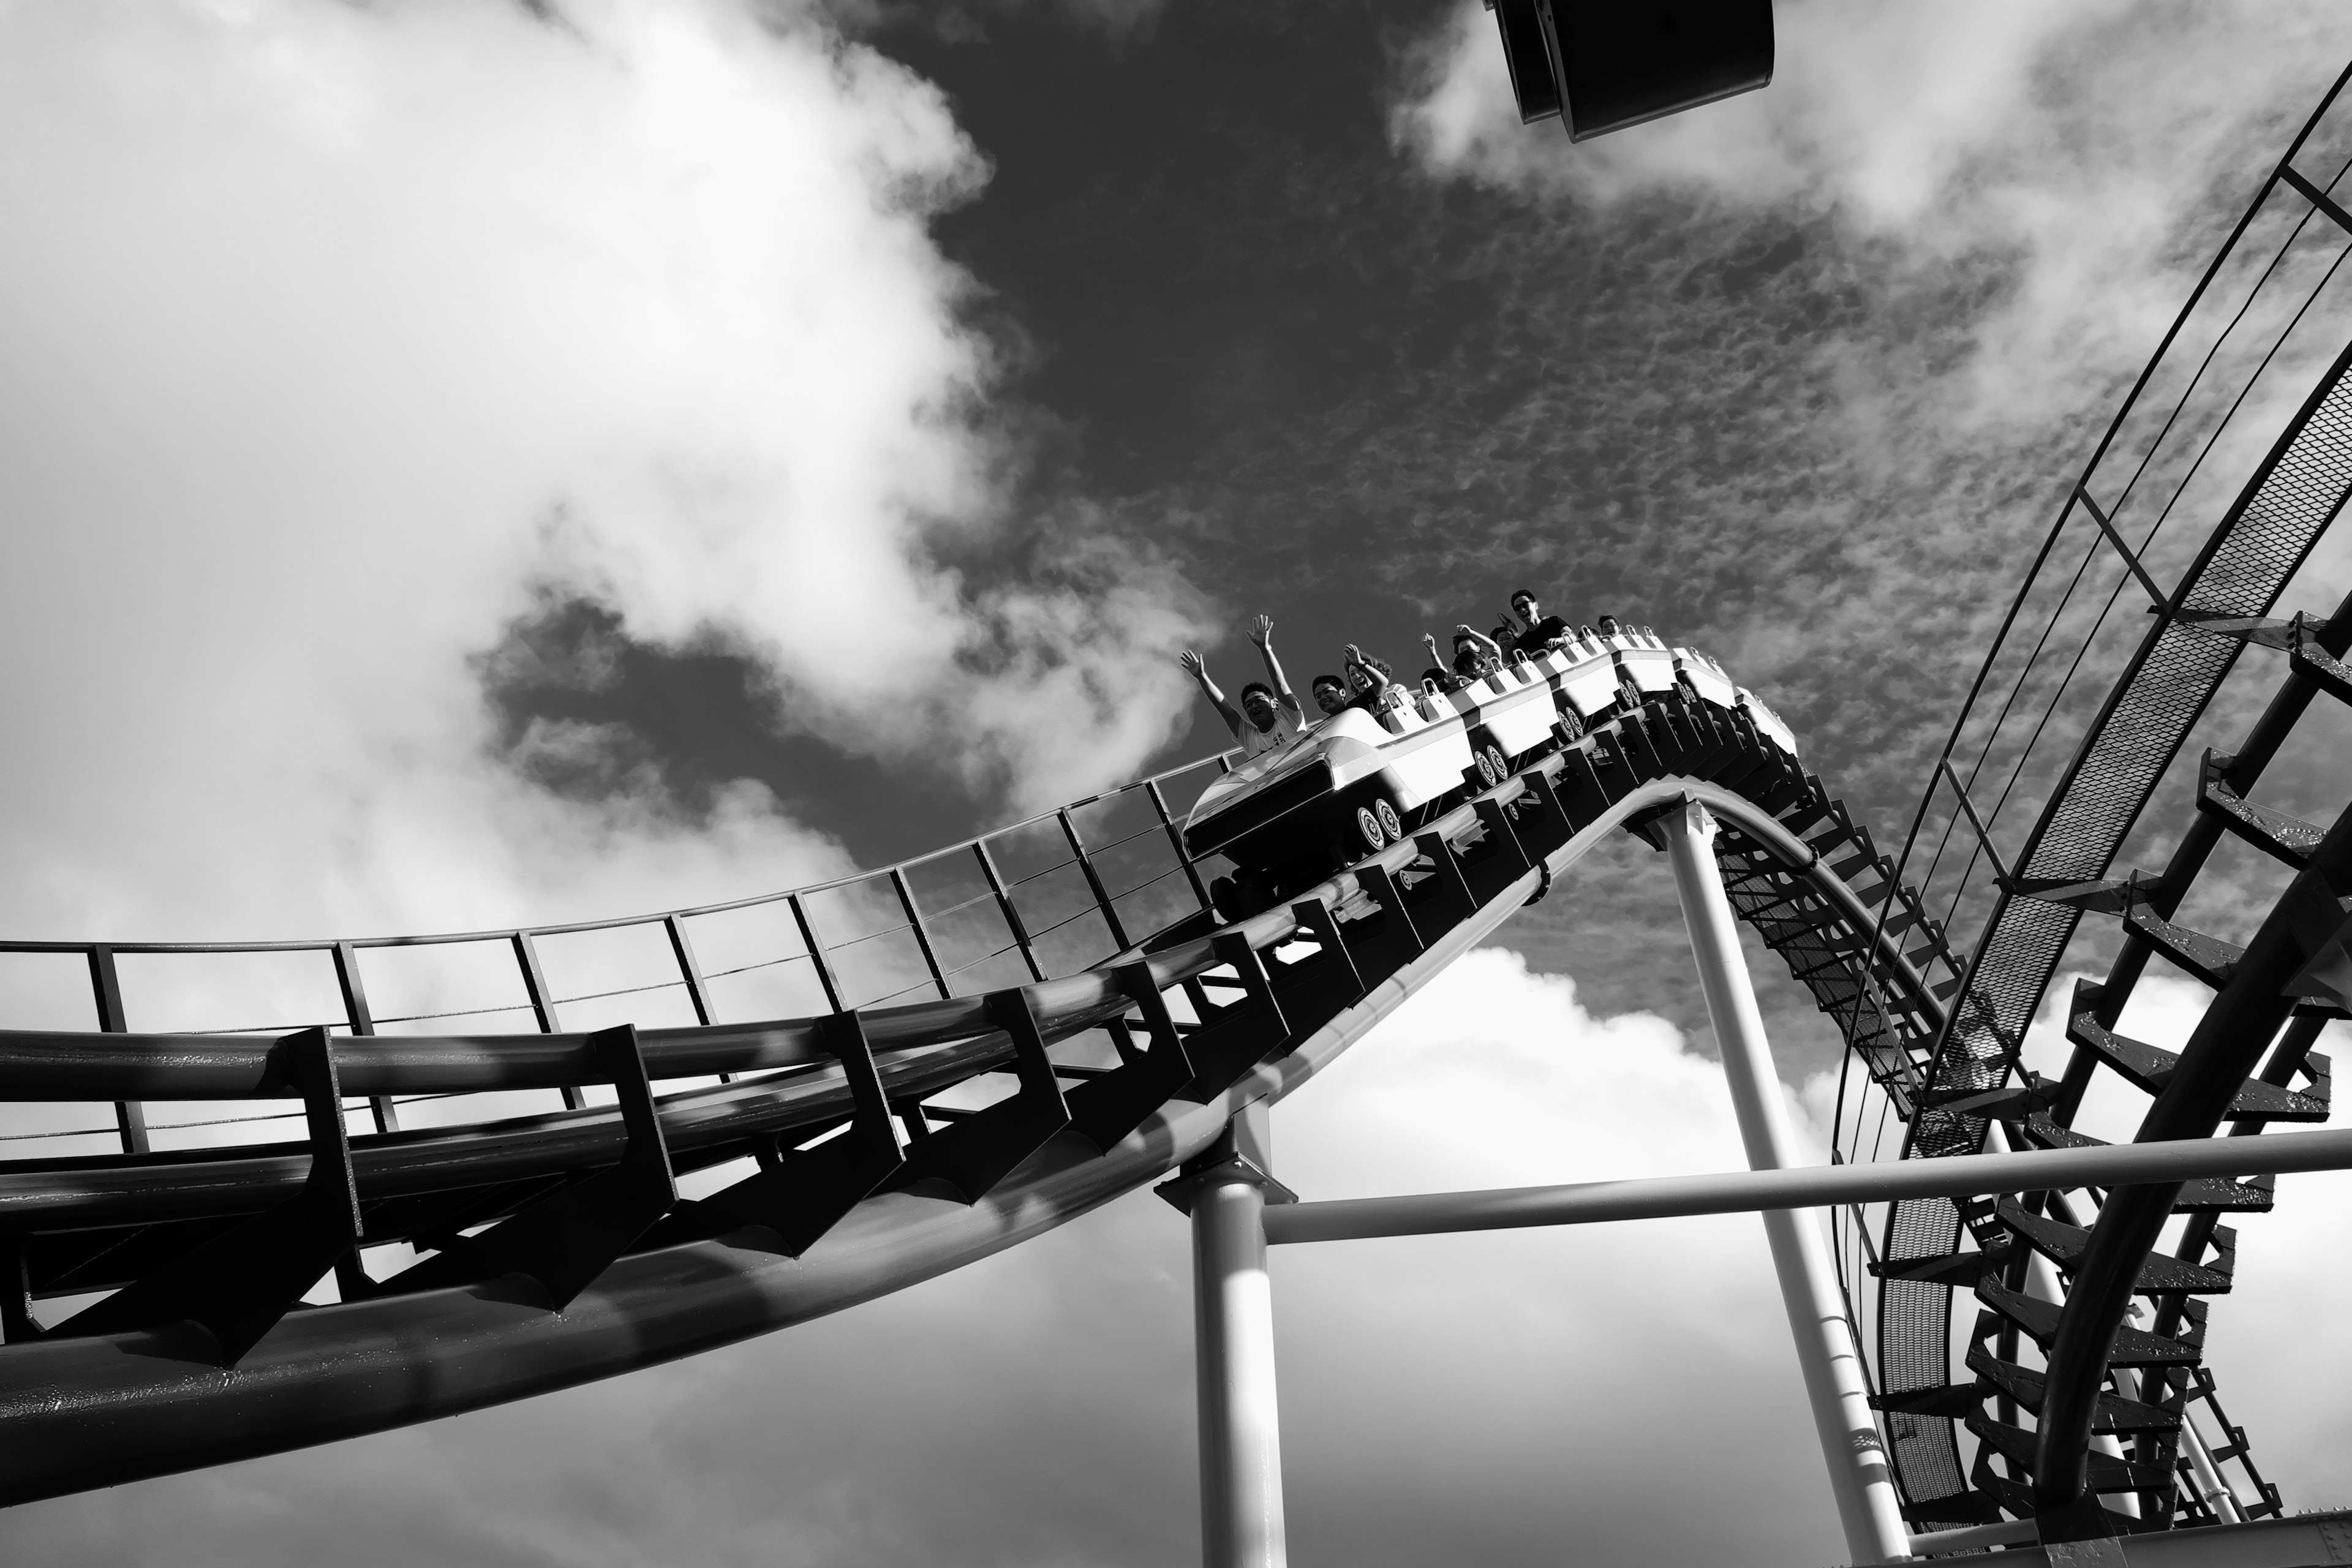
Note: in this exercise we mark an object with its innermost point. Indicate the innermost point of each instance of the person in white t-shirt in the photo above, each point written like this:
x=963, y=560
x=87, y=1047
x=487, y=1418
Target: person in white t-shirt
x=1269, y=715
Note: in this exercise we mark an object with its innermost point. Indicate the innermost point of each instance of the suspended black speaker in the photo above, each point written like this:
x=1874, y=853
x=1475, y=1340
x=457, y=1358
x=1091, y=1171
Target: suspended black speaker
x=1603, y=66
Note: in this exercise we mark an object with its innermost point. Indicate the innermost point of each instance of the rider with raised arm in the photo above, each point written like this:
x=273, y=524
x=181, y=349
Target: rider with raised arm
x=1474, y=656
x=1367, y=676
x=1269, y=715
x=1541, y=632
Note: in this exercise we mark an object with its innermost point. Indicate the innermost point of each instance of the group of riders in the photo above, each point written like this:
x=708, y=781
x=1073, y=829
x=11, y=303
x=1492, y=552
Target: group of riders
x=1270, y=716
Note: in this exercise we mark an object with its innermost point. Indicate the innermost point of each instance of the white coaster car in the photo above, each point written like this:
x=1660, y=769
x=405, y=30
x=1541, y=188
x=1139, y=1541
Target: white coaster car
x=1357, y=780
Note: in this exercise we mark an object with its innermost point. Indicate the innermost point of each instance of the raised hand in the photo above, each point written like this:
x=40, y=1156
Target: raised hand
x=1262, y=630
x=1460, y=627
x=1192, y=662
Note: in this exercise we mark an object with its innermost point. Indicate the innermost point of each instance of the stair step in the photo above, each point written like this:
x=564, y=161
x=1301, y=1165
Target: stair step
x=2103, y=897
x=2108, y=1473
x=2159, y=1274
x=2208, y=958
x=1961, y=1269
x=2282, y=837
x=2254, y=1195
x=2134, y=1347
x=2150, y=1068
x=1950, y=1401
x=2114, y=1413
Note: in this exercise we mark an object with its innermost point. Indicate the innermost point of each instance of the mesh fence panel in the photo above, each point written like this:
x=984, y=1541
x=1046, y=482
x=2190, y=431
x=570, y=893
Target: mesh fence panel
x=2252, y=552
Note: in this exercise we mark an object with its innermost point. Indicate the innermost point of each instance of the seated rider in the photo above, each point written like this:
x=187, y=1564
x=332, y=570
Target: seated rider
x=1542, y=632
x=1367, y=676
x=1330, y=694
x=1269, y=716
x=1473, y=656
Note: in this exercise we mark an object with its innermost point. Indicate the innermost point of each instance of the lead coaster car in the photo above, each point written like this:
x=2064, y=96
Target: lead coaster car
x=1359, y=780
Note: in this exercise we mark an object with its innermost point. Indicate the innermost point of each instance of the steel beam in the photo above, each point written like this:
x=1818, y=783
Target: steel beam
x=1808, y=1187
x=1859, y=1477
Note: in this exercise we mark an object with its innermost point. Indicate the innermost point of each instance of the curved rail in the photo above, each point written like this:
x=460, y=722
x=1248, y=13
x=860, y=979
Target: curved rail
x=91, y=1403
x=2261, y=330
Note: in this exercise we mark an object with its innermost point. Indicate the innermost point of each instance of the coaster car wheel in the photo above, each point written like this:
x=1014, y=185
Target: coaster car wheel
x=1243, y=894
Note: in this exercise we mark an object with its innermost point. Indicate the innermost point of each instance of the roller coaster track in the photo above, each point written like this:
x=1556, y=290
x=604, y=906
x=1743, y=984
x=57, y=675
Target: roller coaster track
x=1009, y=1032
x=563, y=1251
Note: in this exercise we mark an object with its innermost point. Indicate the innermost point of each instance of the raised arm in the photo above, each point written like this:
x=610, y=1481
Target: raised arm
x=1262, y=634
x=1486, y=644
x=1199, y=670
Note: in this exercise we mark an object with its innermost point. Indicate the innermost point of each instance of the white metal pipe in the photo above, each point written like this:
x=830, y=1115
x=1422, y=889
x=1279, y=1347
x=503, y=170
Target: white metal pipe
x=1972, y=1538
x=1810, y=1186
x=1859, y=1477
x=2212, y=1486
x=1241, y=1444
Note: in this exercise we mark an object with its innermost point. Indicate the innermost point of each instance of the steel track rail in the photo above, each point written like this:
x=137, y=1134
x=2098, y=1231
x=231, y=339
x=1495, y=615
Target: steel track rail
x=77, y=1411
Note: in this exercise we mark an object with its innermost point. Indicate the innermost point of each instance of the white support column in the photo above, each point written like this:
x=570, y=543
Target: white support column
x=1233, y=1304
x=1859, y=1478
x=2212, y=1484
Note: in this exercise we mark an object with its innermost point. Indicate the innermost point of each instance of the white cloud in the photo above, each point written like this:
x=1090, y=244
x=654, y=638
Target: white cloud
x=2076, y=141
x=332, y=330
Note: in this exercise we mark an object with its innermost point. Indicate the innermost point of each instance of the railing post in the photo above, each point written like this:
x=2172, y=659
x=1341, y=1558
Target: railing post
x=1094, y=880
x=1859, y=1478
x=1176, y=837
x=824, y=977
x=543, y=1005
x=691, y=972
x=362, y=1026
x=129, y=1116
x=688, y=970
x=922, y=934
x=2156, y=596
x=1005, y=906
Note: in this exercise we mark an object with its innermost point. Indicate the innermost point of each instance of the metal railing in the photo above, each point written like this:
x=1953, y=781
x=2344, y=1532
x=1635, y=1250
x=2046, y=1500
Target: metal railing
x=1039, y=898
x=2263, y=322
x=2169, y=554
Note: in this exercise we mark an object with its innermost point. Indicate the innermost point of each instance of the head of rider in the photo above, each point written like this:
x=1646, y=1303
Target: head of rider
x=1543, y=632
x=1330, y=694
x=1259, y=705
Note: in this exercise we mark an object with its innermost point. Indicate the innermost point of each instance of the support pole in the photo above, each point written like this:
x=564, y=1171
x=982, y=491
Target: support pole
x=1859, y=1478
x=1232, y=1305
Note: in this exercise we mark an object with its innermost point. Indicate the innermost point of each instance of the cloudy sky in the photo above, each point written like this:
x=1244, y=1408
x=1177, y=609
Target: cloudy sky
x=475, y=463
